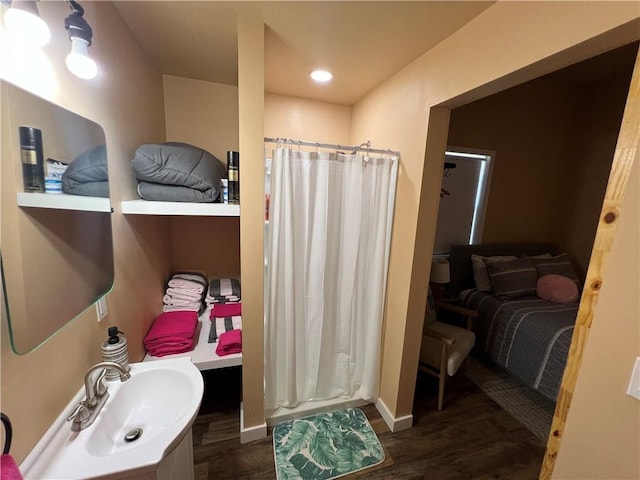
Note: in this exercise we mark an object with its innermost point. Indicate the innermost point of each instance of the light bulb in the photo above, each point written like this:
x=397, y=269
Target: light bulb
x=22, y=19
x=321, y=76
x=78, y=60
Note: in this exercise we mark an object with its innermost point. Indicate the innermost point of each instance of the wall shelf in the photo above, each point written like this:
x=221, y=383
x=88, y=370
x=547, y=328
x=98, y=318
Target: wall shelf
x=204, y=354
x=145, y=207
x=62, y=201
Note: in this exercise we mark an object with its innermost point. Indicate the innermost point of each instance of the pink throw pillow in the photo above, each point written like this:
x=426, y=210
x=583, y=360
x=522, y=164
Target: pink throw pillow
x=557, y=289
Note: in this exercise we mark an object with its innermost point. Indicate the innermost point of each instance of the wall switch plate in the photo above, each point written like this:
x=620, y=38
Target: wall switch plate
x=101, y=307
x=634, y=383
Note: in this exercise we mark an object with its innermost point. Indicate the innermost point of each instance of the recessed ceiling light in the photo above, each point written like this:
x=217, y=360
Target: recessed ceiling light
x=321, y=76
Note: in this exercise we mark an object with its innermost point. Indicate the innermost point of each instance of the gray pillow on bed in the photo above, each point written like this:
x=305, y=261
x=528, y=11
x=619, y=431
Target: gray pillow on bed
x=88, y=174
x=513, y=278
x=179, y=164
x=558, y=265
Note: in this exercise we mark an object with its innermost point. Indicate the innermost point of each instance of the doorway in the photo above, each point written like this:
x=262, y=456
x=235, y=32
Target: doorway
x=569, y=211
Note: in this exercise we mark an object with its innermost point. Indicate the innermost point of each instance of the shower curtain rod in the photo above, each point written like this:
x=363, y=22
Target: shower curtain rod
x=365, y=147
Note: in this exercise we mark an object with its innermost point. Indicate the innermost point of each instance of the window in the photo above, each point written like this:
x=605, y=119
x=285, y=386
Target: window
x=465, y=187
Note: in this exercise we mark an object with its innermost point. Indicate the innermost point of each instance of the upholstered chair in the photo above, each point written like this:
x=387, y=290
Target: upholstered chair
x=444, y=346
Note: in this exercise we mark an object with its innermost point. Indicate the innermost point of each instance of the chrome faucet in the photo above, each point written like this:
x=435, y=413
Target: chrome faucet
x=96, y=395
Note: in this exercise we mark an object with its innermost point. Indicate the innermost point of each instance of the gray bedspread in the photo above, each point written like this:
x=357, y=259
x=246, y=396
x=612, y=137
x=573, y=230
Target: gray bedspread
x=529, y=337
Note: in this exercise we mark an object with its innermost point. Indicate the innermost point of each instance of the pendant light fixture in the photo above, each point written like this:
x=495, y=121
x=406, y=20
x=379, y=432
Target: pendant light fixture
x=23, y=20
x=80, y=33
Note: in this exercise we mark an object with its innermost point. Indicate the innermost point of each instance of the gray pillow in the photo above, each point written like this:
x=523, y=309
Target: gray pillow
x=558, y=265
x=179, y=164
x=513, y=278
x=479, y=266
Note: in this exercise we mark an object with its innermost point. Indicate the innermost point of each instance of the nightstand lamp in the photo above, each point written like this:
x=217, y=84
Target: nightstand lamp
x=440, y=276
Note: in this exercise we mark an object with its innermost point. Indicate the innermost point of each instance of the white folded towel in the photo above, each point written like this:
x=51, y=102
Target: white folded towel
x=185, y=284
x=180, y=308
x=194, y=277
x=184, y=294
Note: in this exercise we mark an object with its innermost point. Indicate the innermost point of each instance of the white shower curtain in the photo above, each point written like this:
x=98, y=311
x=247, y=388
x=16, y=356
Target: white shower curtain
x=328, y=249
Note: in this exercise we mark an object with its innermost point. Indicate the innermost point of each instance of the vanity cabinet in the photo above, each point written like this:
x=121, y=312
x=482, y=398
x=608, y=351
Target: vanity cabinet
x=178, y=465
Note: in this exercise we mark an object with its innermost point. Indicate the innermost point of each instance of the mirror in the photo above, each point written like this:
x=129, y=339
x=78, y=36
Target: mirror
x=56, y=248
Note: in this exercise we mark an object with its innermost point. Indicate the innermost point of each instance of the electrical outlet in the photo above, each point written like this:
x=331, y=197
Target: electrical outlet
x=101, y=307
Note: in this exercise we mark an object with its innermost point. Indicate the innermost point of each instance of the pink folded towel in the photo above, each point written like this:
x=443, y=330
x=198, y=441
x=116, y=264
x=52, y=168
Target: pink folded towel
x=221, y=310
x=8, y=468
x=173, y=324
x=162, y=351
x=229, y=342
x=168, y=341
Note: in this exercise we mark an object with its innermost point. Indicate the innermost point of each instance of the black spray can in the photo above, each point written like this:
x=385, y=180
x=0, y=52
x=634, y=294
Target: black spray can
x=32, y=159
x=233, y=174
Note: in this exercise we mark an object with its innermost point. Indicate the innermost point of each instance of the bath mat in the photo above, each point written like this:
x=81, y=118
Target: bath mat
x=325, y=446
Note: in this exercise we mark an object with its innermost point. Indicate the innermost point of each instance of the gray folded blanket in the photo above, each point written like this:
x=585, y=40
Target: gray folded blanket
x=173, y=193
x=177, y=172
x=88, y=174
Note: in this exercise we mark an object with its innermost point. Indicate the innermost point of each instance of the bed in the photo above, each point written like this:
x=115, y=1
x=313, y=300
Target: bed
x=528, y=336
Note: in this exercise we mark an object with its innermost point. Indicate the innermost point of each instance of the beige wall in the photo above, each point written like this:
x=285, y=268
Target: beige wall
x=126, y=100
x=532, y=130
x=471, y=64
x=202, y=113
x=599, y=108
x=251, y=116
x=301, y=119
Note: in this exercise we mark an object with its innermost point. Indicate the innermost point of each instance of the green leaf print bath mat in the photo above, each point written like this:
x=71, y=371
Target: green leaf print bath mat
x=325, y=446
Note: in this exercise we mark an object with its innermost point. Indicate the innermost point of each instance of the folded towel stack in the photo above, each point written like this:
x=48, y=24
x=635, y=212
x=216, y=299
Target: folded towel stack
x=226, y=315
x=184, y=293
x=172, y=332
x=230, y=342
x=223, y=325
x=223, y=290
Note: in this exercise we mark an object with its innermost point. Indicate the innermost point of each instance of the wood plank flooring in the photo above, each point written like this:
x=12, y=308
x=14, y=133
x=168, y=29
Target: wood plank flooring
x=471, y=438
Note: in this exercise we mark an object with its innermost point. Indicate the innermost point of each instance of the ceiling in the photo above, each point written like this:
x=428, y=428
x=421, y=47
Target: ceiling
x=361, y=43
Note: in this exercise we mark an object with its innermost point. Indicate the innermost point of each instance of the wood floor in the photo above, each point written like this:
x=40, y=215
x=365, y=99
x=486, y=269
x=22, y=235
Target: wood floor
x=471, y=438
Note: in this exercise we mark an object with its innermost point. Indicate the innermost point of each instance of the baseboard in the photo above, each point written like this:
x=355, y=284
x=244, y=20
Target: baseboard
x=283, y=414
x=250, y=434
x=394, y=424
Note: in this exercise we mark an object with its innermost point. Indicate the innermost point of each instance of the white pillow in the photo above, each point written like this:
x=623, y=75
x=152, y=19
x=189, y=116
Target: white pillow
x=480, y=275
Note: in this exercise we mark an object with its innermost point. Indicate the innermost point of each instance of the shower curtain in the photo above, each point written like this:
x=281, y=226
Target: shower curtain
x=327, y=253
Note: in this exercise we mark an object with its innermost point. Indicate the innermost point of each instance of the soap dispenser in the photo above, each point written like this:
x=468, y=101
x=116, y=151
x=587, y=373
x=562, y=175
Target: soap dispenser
x=115, y=350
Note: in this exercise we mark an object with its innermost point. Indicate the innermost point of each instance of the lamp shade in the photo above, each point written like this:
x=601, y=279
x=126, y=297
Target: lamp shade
x=440, y=270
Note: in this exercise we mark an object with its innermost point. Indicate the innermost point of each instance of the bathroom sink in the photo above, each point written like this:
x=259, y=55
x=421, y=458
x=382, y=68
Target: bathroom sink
x=142, y=421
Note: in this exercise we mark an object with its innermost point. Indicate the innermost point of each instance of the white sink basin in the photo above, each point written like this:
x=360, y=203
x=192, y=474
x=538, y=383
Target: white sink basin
x=161, y=399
